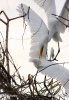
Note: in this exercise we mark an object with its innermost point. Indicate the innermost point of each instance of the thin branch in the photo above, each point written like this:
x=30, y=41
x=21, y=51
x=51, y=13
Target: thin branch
x=50, y=66
x=62, y=22
x=3, y=21
x=4, y=14
x=17, y=17
x=61, y=17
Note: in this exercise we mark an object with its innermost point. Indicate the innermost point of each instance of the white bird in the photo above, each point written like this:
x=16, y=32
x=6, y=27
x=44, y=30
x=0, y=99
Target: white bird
x=42, y=33
x=55, y=26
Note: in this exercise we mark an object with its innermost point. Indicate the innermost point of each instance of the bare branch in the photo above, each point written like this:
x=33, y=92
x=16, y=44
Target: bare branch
x=3, y=21
x=4, y=14
x=17, y=17
x=61, y=17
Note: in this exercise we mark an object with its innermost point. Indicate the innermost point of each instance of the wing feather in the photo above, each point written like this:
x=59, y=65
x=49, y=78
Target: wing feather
x=39, y=31
x=56, y=71
x=49, y=8
x=46, y=5
x=65, y=14
x=53, y=70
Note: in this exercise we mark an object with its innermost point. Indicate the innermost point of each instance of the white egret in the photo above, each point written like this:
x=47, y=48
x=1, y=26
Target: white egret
x=55, y=26
x=42, y=33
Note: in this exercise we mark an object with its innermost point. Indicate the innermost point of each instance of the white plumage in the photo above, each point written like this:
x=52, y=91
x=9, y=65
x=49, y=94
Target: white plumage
x=41, y=34
x=54, y=70
x=50, y=8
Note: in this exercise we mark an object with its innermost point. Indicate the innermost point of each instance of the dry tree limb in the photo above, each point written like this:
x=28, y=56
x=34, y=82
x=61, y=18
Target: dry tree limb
x=31, y=83
x=7, y=33
x=57, y=17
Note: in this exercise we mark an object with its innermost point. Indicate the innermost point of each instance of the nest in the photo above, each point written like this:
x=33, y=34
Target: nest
x=30, y=89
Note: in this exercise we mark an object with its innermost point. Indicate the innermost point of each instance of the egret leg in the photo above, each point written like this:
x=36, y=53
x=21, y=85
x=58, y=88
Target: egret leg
x=57, y=52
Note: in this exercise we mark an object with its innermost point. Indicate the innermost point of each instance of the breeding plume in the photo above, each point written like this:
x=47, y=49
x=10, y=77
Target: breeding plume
x=42, y=32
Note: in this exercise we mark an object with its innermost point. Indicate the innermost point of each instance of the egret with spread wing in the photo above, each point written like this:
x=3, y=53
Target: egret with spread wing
x=55, y=25
x=42, y=33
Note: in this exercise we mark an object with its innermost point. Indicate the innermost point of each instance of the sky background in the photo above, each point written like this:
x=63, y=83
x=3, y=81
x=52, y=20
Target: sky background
x=16, y=48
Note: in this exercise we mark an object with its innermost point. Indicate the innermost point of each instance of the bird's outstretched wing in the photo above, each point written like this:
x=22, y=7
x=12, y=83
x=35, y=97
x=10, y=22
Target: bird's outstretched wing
x=64, y=17
x=53, y=70
x=39, y=31
x=50, y=8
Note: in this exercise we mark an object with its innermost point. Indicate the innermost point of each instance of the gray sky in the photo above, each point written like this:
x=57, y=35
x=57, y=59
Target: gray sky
x=10, y=5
